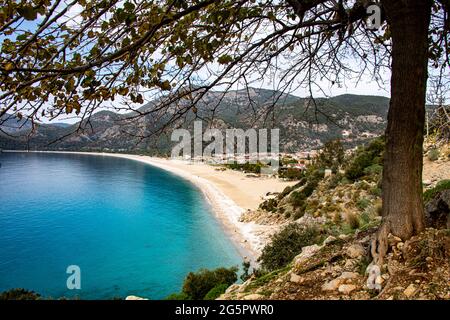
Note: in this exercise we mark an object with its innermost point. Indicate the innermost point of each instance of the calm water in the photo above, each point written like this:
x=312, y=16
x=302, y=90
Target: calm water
x=130, y=227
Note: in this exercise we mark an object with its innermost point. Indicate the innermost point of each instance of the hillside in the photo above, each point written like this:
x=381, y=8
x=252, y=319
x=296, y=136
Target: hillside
x=303, y=123
x=322, y=249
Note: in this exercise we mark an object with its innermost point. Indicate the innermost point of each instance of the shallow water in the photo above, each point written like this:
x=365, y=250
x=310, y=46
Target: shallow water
x=131, y=228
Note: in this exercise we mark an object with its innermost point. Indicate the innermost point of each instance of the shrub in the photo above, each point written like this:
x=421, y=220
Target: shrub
x=19, y=294
x=440, y=186
x=366, y=161
x=178, y=296
x=375, y=191
x=245, y=271
x=353, y=221
x=373, y=169
x=286, y=244
x=215, y=292
x=433, y=154
x=197, y=285
x=269, y=205
x=363, y=203
x=331, y=156
x=291, y=174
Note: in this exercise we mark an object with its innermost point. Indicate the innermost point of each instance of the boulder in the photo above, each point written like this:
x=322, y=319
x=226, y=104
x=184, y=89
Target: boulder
x=307, y=252
x=329, y=239
x=233, y=288
x=134, y=298
x=355, y=251
x=346, y=288
x=348, y=275
x=437, y=211
x=295, y=278
x=410, y=291
x=254, y=296
x=332, y=285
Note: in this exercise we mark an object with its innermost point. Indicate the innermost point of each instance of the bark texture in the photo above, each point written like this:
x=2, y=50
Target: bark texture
x=403, y=212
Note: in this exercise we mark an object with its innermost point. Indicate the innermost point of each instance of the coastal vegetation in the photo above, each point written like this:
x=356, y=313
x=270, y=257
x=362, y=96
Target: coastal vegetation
x=206, y=284
x=286, y=244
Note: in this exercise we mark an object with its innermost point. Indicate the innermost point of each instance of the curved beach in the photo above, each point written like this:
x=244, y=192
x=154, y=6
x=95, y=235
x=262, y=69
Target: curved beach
x=229, y=193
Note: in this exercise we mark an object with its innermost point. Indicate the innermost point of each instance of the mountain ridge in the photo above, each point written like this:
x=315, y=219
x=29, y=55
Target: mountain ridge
x=304, y=123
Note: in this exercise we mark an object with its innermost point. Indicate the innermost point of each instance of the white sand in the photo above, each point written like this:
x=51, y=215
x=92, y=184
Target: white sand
x=230, y=193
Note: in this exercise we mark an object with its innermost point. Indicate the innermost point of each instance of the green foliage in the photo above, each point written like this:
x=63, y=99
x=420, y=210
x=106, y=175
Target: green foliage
x=178, y=296
x=286, y=244
x=440, y=186
x=363, y=263
x=247, y=167
x=433, y=154
x=19, y=294
x=373, y=169
x=353, y=221
x=197, y=285
x=269, y=205
x=215, y=292
x=245, y=271
x=291, y=174
x=367, y=161
x=363, y=203
x=331, y=156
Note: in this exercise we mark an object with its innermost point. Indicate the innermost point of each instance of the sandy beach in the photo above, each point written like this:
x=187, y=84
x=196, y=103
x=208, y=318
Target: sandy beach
x=229, y=193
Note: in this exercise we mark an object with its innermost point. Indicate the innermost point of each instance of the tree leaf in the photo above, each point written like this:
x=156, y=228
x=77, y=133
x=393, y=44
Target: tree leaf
x=28, y=12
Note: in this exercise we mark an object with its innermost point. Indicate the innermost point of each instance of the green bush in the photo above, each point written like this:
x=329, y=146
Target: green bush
x=215, y=292
x=178, y=296
x=291, y=174
x=440, y=186
x=433, y=154
x=373, y=169
x=269, y=205
x=19, y=294
x=363, y=203
x=197, y=285
x=245, y=271
x=286, y=244
x=331, y=156
x=366, y=161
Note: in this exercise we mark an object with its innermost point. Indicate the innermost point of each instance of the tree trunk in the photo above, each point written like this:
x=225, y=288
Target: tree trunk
x=403, y=213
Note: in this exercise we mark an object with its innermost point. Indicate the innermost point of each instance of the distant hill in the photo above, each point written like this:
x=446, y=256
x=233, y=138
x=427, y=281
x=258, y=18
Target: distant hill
x=303, y=123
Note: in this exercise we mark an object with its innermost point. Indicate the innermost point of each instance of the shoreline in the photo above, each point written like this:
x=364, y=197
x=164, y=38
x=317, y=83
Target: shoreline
x=247, y=237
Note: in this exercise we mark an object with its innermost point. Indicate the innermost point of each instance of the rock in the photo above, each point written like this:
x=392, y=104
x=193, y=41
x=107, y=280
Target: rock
x=348, y=275
x=393, y=240
x=350, y=264
x=344, y=236
x=355, y=251
x=437, y=210
x=295, y=278
x=426, y=182
x=307, y=252
x=134, y=298
x=254, y=296
x=233, y=288
x=332, y=285
x=329, y=239
x=346, y=288
x=410, y=291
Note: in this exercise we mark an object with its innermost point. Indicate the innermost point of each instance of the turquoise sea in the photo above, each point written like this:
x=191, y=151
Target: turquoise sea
x=133, y=229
